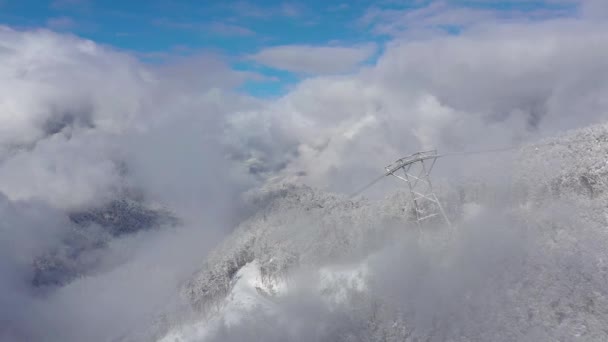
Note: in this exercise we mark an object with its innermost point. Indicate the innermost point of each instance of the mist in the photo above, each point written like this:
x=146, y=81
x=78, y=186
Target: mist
x=496, y=276
x=85, y=127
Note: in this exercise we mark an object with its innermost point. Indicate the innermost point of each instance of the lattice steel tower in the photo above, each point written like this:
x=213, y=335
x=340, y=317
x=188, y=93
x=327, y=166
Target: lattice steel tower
x=416, y=173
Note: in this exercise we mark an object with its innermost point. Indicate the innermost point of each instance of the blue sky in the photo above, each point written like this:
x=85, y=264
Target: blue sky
x=155, y=29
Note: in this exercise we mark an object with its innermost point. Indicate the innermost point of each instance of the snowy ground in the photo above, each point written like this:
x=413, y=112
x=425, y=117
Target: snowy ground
x=252, y=295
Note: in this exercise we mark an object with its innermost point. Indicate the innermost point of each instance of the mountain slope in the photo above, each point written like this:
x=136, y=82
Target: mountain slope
x=316, y=266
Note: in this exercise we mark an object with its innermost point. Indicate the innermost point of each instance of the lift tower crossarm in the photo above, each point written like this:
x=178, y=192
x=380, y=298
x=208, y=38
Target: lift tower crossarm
x=411, y=159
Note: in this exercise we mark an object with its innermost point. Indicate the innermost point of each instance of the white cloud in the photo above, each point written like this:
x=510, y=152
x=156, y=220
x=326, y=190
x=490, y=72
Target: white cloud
x=81, y=124
x=59, y=70
x=492, y=86
x=66, y=103
x=60, y=23
x=315, y=60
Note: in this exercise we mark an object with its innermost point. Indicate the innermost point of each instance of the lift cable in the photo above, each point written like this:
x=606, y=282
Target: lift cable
x=494, y=150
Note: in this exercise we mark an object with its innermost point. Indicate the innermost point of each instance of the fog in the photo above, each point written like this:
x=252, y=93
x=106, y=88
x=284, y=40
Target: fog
x=83, y=124
x=86, y=124
x=495, y=278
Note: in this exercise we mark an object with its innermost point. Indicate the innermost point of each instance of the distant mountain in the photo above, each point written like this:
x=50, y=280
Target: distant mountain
x=84, y=245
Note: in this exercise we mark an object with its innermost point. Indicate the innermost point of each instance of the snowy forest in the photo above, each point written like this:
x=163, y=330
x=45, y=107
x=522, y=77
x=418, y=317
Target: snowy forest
x=524, y=260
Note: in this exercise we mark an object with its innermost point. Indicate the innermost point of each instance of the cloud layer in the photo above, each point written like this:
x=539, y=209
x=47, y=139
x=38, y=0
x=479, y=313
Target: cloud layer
x=314, y=60
x=491, y=86
x=82, y=123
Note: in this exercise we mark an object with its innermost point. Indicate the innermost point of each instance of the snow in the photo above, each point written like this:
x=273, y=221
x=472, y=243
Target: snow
x=526, y=260
x=248, y=292
x=339, y=279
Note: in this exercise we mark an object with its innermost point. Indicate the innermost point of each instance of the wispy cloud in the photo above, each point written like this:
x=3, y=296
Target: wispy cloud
x=595, y=8
x=60, y=23
x=172, y=24
x=253, y=10
x=219, y=28
x=446, y=14
x=340, y=7
x=69, y=3
x=291, y=9
x=247, y=9
x=397, y=21
x=309, y=59
x=230, y=30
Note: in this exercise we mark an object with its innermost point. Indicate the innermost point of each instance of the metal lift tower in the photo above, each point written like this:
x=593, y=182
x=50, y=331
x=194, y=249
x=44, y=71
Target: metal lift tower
x=416, y=173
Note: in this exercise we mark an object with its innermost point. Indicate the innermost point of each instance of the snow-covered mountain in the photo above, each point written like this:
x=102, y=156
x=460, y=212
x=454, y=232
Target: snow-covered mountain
x=530, y=265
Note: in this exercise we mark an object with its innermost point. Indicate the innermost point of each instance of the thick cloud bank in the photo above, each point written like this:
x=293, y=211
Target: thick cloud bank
x=492, y=86
x=113, y=182
x=84, y=127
